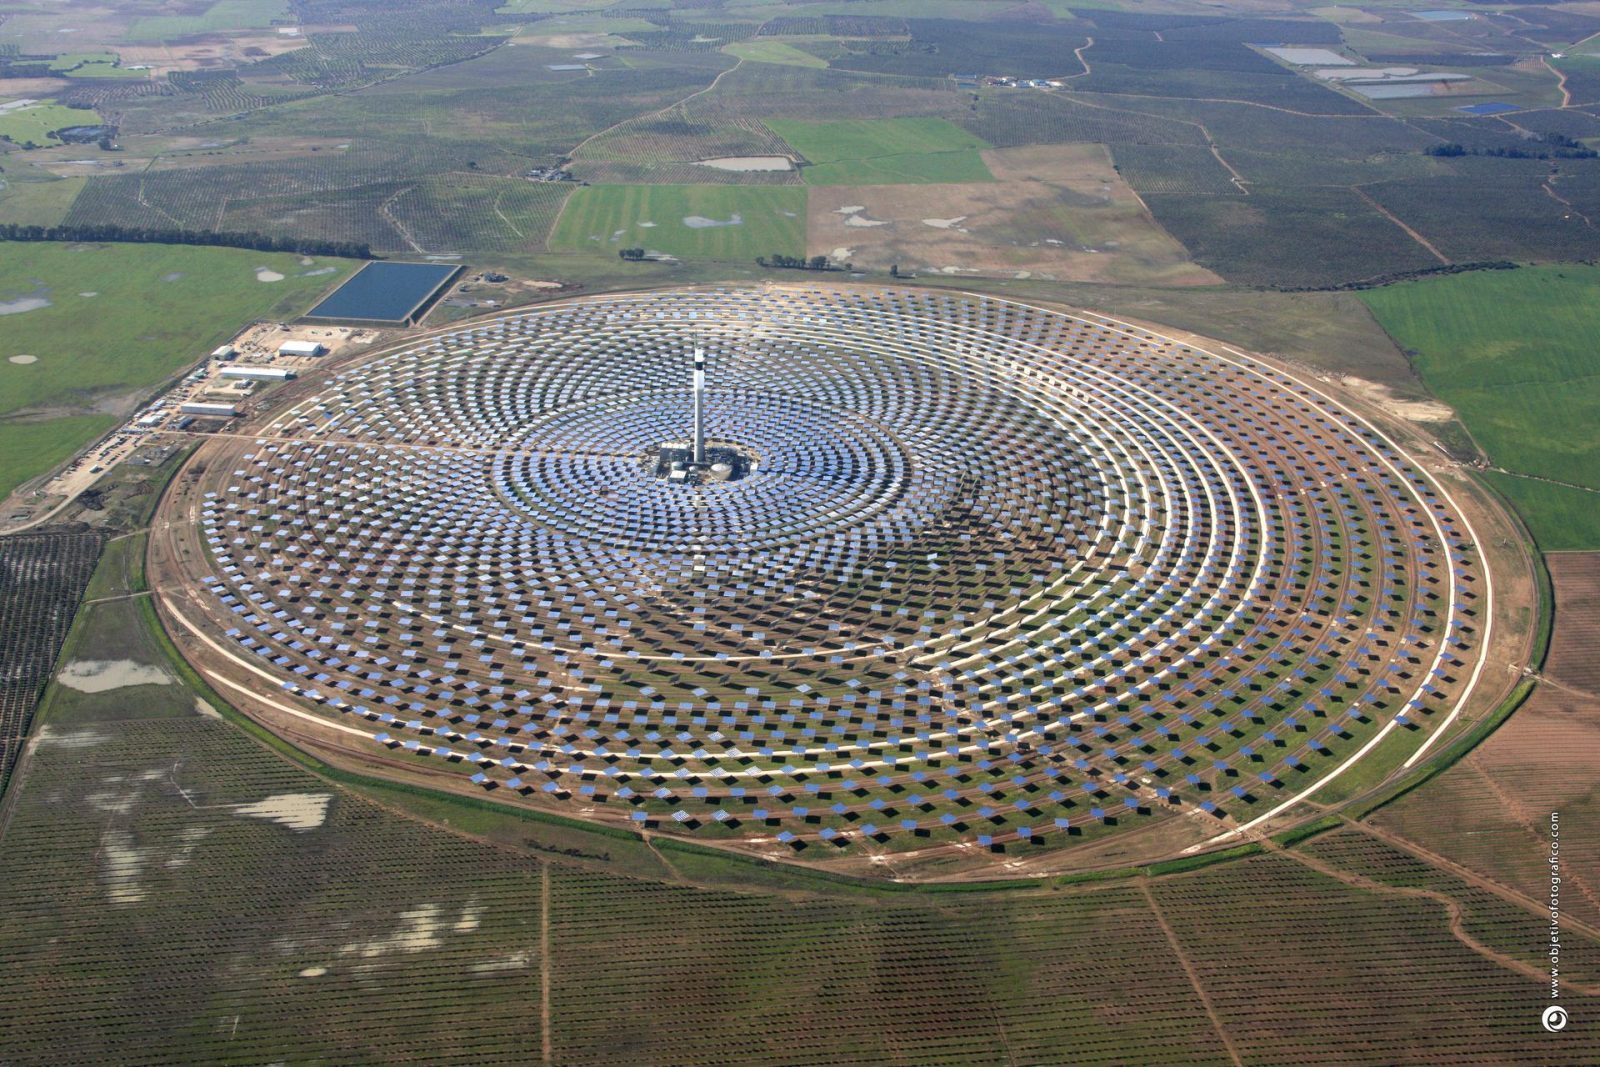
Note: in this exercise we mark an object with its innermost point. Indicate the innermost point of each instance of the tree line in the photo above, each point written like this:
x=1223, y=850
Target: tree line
x=778, y=259
x=1547, y=146
x=1378, y=281
x=113, y=234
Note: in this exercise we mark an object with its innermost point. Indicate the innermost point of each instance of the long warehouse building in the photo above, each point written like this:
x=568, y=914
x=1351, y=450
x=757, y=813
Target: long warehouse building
x=198, y=408
x=266, y=374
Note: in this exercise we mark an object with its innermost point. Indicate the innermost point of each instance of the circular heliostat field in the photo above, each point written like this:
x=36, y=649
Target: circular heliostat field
x=968, y=571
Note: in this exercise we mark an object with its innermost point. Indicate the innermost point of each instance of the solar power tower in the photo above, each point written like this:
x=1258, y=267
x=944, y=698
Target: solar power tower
x=699, y=406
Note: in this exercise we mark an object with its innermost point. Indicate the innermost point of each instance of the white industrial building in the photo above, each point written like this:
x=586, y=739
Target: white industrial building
x=198, y=408
x=265, y=374
x=300, y=348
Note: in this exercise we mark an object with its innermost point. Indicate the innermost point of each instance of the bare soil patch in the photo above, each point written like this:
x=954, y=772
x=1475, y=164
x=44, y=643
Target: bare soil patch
x=1056, y=212
x=572, y=40
x=102, y=676
x=208, y=53
x=35, y=87
x=1412, y=410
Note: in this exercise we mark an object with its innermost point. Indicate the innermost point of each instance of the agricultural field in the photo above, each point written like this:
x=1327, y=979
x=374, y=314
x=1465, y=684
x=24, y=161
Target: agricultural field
x=32, y=123
x=105, y=323
x=92, y=65
x=1058, y=211
x=1192, y=112
x=766, y=50
x=884, y=151
x=42, y=578
x=1288, y=238
x=1514, y=352
x=221, y=16
x=723, y=222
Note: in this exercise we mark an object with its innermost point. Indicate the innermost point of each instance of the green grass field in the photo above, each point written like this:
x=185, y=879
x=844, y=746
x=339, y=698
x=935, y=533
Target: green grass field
x=221, y=16
x=32, y=447
x=885, y=151
x=92, y=65
x=608, y=218
x=1517, y=354
x=35, y=122
x=1560, y=517
x=42, y=202
x=153, y=309
x=766, y=50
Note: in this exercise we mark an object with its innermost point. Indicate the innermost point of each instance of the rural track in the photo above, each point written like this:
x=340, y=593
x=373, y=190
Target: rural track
x=1561, y=81
x=1189, y=970
x=1518, y=810
x=575, y=149
x=1467, y=874
x=1541, y=478
x=1548, y=185
x=1248, y=103
x=388, y=216
x=1453, y=908
x=1238, y=179
x=1078, y=53
x=119, y=596
x=546, y=1042
x=1409, y=232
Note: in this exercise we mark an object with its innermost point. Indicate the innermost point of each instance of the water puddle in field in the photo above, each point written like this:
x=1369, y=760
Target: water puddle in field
x=471, y=916
x=124, y=858
x=85, y=738
x=121, y=864
x=32, y=302
x=417, y=931
x=104, y=675
x=517, y=961
x=297, y=811
x=700, y=222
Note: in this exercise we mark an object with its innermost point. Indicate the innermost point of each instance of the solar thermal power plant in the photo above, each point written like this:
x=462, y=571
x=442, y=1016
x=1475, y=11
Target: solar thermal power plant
x=840, y=570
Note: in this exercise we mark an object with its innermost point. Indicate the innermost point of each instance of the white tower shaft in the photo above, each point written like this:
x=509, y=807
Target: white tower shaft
x=699, y=406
